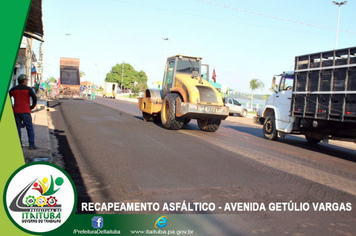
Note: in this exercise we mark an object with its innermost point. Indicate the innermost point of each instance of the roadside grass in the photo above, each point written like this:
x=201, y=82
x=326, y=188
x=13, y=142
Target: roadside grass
x=128, y=96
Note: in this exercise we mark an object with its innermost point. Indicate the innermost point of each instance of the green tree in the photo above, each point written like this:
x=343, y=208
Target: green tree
x=81, y=74
x=128, y=75
x=51, y=80
x=255, y=84
x=139, y=87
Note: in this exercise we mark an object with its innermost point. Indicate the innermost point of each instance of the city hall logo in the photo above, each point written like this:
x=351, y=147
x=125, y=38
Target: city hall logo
x=39, y=197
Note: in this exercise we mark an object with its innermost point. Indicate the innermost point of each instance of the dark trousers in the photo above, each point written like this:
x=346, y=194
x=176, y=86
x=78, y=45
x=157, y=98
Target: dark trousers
x=27, y=120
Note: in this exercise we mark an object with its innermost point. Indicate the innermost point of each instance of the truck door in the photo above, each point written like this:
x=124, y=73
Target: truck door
x=284, y=97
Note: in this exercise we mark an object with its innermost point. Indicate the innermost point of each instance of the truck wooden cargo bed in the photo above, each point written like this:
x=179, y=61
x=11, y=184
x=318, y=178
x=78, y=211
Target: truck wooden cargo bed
x=325, y=86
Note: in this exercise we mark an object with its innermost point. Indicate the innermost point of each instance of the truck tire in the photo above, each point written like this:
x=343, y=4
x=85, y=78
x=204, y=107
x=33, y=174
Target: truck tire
x=210, y=125
x=269, y=128
x=146, y=116
x=168, y=112
x=312, y=140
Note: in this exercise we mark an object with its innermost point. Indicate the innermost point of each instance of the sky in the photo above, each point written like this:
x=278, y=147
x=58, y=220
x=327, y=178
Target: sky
x=242, y=40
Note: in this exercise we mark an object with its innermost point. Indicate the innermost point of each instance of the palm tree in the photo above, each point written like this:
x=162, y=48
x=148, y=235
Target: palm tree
x=255, y=84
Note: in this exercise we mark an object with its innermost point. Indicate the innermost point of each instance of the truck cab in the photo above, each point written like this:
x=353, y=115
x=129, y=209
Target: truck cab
x=275, y=116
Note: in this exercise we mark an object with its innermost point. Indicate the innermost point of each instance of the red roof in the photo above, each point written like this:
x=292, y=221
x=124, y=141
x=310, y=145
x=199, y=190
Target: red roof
x=86, y=83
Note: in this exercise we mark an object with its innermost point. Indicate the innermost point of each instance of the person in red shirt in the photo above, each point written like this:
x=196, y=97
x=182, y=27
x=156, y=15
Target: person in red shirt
x=22, y=108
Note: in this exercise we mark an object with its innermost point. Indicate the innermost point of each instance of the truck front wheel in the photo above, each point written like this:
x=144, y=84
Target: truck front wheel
x=269, y=128
x=210, y=125
x=168, y=112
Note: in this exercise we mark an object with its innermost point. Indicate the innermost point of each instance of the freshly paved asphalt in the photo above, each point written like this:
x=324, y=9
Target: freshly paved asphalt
x=114, y=156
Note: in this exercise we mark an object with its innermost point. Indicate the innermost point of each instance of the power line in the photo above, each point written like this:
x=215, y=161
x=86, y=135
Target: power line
x=220, y=19
x=273, y=17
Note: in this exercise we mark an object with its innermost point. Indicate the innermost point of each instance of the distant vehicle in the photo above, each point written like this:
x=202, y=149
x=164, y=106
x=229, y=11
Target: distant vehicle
x=235, y=107
x=109, y=90
x=69, y=77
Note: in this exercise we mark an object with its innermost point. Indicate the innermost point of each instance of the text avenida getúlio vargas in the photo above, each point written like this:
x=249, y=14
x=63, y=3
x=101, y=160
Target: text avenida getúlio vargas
x=211, y=207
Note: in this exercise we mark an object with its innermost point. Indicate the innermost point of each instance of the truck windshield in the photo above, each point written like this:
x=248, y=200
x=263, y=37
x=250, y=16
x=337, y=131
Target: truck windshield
x=187, y=67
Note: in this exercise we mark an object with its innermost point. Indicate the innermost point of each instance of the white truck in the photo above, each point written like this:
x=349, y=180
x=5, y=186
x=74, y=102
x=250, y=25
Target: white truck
x=317, y=99
x=109, y=90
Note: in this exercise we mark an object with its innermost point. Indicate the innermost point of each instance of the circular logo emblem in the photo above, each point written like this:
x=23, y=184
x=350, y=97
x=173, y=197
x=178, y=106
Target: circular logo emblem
x=39, y=197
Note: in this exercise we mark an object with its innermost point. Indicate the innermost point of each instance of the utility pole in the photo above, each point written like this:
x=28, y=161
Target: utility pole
x=40, y=64
x=122, y=77
x=338, y=19
x=28, y=64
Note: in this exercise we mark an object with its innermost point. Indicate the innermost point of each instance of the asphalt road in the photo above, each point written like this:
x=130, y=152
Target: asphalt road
x=114, y=156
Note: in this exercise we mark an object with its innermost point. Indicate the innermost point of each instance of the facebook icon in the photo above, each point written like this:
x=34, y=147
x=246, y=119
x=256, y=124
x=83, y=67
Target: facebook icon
x=97, y=222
